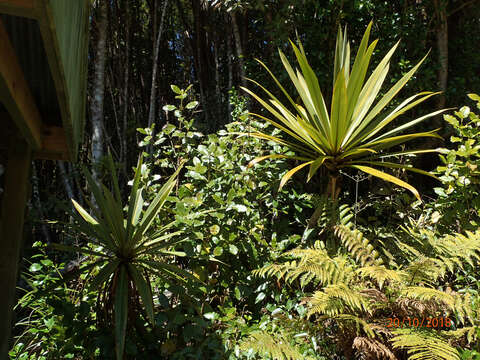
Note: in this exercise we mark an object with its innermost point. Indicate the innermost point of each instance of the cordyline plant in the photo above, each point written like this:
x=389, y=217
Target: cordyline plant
x=127, y=249
x=353, y=132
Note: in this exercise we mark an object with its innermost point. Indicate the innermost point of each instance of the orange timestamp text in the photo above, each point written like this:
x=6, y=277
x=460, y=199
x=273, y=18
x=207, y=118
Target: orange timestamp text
x=428, y=322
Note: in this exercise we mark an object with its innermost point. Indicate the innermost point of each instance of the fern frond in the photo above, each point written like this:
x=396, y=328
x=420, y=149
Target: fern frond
x=345, y=214
x=358, y=246
x=310, y=265
x=361, y=325
x=277, y=347
x=471, y=333
x=372, y=349
x=337, y=299
x=424, y=270
x=464, y=310
x=380, y=274
x=452, y=250
x=277, y=270
x=429, y=294
x=423, y=345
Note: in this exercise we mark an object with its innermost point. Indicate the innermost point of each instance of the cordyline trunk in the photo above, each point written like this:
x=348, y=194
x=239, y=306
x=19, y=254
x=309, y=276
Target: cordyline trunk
x=153, y=92
x=333, y=191
x=99, y=89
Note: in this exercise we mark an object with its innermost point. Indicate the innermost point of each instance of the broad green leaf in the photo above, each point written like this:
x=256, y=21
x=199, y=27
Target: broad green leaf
x=121, y=312
x=176, y=89
x=98, y=282
x=388, y=177
x=144, y=290
x=290, y=173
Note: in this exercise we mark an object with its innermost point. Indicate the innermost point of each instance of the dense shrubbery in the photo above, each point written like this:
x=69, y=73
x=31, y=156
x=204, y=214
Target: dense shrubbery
x=261, y=283
x=335, y=290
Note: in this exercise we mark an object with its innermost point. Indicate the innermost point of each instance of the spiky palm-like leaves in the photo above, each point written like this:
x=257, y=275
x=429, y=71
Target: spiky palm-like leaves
x=353, y=132
x=126, y=249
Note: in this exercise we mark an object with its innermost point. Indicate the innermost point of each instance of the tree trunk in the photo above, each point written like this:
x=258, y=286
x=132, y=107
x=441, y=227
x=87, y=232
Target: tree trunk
x=442, y=48
x=99, y=89
x=238, y=47
x=38, y=204
x=230, y=72
x=153, y=91
x=66, y=181
x=123, y=157
x=333, y=191
x=219, y=112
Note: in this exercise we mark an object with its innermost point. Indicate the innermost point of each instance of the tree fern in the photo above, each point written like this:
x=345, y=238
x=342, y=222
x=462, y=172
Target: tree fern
x=359, y=289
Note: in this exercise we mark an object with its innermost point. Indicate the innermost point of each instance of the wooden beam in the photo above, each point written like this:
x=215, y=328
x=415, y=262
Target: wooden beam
x=54, y=145
x=15, y=93
x=22, y=8
x=11, y=232
x=50, y=42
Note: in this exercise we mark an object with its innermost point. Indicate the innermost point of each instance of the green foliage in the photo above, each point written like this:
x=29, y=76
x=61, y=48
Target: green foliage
x=353, y=134
x=277, y=347
x=127, y=250
x=360, y=292
x=225, y=209
x=423, y=345
x=458, y=207
x=61, y=322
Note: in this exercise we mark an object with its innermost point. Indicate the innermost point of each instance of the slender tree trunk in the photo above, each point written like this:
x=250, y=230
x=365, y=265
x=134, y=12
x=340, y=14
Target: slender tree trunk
x=442, y=48
x=218, y=94
x=38, y=204
x=230, y=72
x=99, y=89
x=111, y=85
x=153, y=92
x=66, y=181
x=202, y=66
x=123, y=157
x=238, y=47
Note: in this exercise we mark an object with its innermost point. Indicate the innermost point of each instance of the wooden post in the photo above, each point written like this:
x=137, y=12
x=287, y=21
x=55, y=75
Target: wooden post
x=11, y=232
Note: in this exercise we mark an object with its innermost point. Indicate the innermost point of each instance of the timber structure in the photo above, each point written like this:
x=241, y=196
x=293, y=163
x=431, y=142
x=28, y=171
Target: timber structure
x=43, y=75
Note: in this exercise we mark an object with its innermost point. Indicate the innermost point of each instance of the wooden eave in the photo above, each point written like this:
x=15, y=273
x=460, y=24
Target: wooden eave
x=47, y=142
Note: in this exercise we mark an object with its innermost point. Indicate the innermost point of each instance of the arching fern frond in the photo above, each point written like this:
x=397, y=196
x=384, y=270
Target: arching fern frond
x=277, y=347
x=424, y=270
x=423, y=345
x=380, y=274
x=337, y=299
x=358, y=246
x=452, y=250
x=429, y=294
x=362, y=327
x=470, y=332
x=310, y=265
